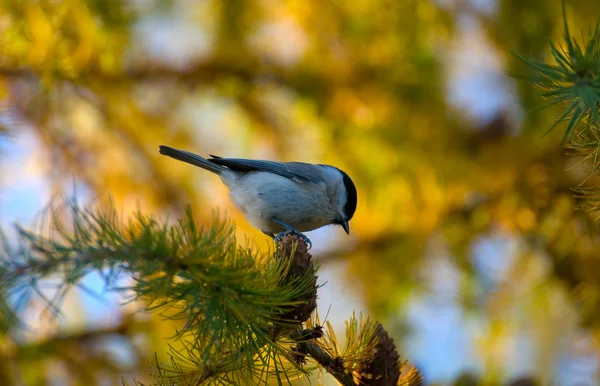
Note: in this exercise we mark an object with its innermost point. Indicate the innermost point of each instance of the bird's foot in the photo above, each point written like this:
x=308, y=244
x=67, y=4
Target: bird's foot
x=280, y=235
x=289, y=230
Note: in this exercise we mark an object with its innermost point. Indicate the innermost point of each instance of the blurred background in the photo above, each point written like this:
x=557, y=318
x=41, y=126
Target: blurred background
x=467, y=244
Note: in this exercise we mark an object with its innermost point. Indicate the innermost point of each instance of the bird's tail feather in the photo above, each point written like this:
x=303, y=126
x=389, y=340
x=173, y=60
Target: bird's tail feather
x=191, y=158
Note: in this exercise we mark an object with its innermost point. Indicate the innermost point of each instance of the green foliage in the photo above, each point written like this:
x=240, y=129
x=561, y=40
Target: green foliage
x=359, y=342
x=572, y=81
x=228, y=297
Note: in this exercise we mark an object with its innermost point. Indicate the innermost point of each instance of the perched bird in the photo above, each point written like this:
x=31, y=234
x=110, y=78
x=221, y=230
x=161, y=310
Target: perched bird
x=282, y=197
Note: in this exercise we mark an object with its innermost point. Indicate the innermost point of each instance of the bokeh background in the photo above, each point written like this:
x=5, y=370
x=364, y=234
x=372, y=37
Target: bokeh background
x=466, y=244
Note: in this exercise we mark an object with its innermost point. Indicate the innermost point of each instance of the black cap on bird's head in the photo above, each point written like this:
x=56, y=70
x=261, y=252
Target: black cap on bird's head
x=351, y=201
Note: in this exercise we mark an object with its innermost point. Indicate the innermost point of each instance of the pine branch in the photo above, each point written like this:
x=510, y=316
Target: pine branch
x=230, y=297
x=244, y=311
x=333, y=365
x=572, y=81
x=305, y=346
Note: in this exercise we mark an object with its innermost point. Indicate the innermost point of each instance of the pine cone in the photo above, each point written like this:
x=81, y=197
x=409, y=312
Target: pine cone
x=300, y=265
x=382, y=368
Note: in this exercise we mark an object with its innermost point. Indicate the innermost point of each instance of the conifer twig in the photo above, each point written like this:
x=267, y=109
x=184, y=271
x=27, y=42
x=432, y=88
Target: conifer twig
x=242, y=310
x=333, y=365
x=571, y=82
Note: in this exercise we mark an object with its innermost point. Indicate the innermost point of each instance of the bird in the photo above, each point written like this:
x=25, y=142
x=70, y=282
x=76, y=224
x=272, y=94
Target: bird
x=281, y=198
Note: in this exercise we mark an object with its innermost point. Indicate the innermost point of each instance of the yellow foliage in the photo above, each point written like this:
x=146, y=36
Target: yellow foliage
x=367, y=90
x=42, y=33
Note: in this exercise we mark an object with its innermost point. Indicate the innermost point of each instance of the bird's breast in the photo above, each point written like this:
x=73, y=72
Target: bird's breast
x=263, y=196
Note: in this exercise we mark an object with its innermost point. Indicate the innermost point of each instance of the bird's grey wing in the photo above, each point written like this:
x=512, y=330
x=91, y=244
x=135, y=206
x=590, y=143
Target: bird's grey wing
x=294, y=170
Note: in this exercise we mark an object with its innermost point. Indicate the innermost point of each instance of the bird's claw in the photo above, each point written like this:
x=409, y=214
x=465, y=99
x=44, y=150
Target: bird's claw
x=280, y=235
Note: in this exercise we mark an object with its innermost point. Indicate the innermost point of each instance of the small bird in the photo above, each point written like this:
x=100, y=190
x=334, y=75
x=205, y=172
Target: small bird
x=280, y=198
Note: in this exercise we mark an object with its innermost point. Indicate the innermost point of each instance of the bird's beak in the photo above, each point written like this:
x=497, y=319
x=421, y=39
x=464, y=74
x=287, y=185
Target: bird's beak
x=346, y=226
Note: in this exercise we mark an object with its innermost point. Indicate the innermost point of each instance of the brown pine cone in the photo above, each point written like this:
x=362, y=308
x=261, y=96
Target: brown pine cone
x=300, y=265
x=382, y=367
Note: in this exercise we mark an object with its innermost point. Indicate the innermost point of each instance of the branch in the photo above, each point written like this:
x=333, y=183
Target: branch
x=334, y=366
x=242, y=310
x=305, y=80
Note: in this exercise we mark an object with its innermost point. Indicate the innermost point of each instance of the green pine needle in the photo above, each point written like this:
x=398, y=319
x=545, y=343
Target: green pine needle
x=359, y=342
x=229, y=297
x=573, y=80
